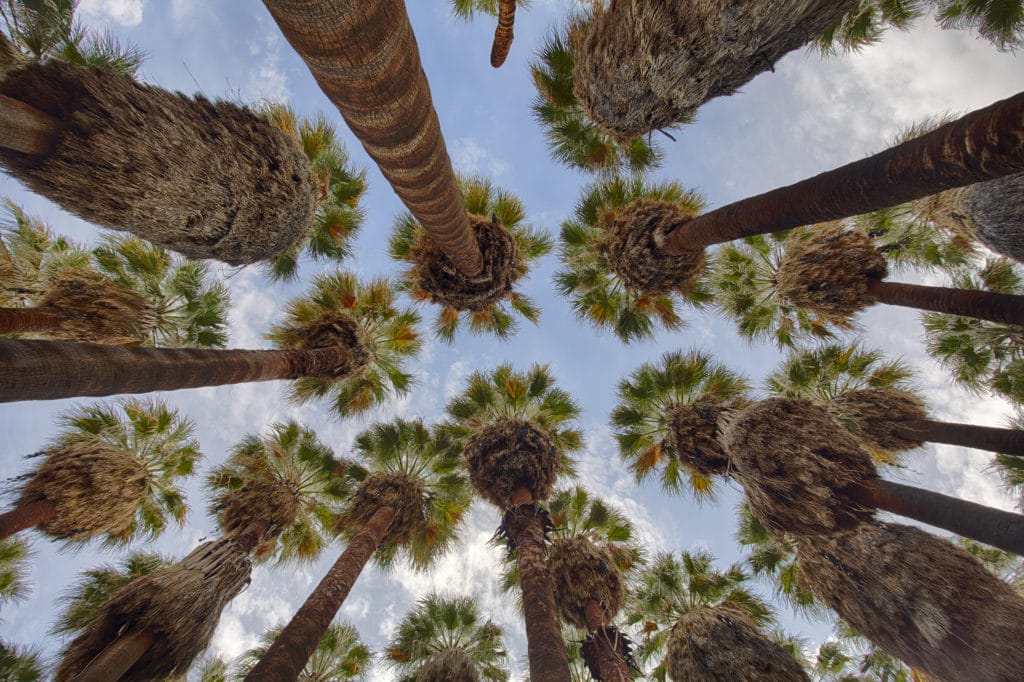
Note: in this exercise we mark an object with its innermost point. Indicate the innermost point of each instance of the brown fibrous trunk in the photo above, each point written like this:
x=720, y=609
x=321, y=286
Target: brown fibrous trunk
x=981, y=305
x=25, y=516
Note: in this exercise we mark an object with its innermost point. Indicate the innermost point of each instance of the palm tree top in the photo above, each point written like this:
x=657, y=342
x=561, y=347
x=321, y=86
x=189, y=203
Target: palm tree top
x=439, y=623
x=824, y=373
x=14, y=580
x=339, y=655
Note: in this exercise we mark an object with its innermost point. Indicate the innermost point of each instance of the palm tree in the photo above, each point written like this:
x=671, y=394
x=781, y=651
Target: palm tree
x=612, y=273
x=865, y=24
x=346, y=340
x=919, y=598
x=213, y=669
x=408, y=499
x=511, y=245
x=14, y=584
x=982, y=355
x=643, y=66
x=368, y=64
x=743, y=277
x=338, y=187
x=772, y=556
x=806, y=475
x=852, y=658
x=573, y=139
x=20, y=664
x=288, y=482
x=667, y=420
x=705, y=622
x=504, y=10
x=340, y=655
x=446, y=639
x=837, y=273
x=112, y=471
x=519, y=436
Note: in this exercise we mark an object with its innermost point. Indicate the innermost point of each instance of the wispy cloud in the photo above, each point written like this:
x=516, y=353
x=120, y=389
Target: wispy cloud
x=122, y=12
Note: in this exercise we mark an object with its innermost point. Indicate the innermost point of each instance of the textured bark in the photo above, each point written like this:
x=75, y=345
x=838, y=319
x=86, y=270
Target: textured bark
x=981, y=305
x=24, y=128
x=364, y=56
x=116, y=659
x=987, y=525
x=47, y=370
x=28, y=320
x=601, y=654
x=291, y=650
x=983, y=145
x=990, y=438
x=543, y=638
x=26, y=516
x=503, y=34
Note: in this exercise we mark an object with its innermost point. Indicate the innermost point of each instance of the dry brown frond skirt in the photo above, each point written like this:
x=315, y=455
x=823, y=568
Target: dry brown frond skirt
x=633, y=251
x=510, y=453
x=333, y=329
x=582, y=571
x=693, y=438
x=95, y=309
x=449, y=665
x=261, y=499
x=405, y=493
x=879, y=417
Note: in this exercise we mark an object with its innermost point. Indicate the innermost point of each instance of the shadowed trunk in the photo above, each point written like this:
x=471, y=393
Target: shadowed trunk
x=48, y=370
x=991, y=438
x=116, y=659
x=503, y=34
x=599, y=651
x=983, y=145
x=26, y=516
x=287, y=656
x=546, y=651
x=29, y=320
x=981, y=305
x=24, y=128
x=364, y=57
x=987, y=525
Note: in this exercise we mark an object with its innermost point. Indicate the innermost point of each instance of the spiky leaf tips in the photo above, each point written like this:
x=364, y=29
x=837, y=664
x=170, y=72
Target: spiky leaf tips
x=363, y=317
x=446, y=639
x=340, y=655
x=610, y=241
x=667, y=420
x=288, y=479
x=14, y=583
x=487, y=303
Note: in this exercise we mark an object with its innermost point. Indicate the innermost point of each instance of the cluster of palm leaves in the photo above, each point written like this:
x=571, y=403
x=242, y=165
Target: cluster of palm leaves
x=128, y=317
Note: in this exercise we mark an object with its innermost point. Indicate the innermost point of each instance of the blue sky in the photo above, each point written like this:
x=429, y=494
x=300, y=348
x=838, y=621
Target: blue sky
x=810, y=115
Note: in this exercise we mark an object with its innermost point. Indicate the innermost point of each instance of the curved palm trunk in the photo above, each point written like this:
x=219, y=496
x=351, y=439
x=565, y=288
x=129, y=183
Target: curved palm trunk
x=983, y=145
x=117, y=658
x=47, y=370
x=981, y=305
x=291, y=650
x=503, y=34
x=364, y=56
x=599, y=651
x=26, y=516
x=994, y=527
x=29, y=320
x=24, y=128
x=544, y=645
x=991, y=438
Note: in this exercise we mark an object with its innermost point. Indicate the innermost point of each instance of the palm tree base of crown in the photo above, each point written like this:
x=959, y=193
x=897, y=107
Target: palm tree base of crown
x=607, y=643
x=633, y=248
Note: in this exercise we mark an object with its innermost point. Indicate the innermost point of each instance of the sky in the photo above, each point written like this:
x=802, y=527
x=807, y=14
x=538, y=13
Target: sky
x=810, y=115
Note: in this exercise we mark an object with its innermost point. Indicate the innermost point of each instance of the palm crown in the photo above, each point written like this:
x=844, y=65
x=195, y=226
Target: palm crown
x=388, y=334
x=340, y=655
x=773, y=557
x=439, y=624
x=288, y=478
x=483, y=199
x=14, y=582
x=823, y=373
x=649, y=427
x=596, y=294
x=32, y=255
x=338, y=187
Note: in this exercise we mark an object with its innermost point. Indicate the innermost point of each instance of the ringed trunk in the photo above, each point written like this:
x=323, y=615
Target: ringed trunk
x=24, y=128
x=364, y=56
x=991, y=438
x=981, y=305
x=983, y=145
x=117, y=658
x=26, y=516
x=29, y=320
x=48, y=370
x=599, y=651
x=292, y=649
x=987, y=525
x=503, y=34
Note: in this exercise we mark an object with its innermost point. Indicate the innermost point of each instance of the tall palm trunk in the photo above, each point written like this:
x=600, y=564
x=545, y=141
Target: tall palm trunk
x=47, y=370
x=600, y=651
x=24, y=128
x=291, y=650
x=994, y=527
x=26, y=516
x=525, y=528
x=503, y=34
x=364, y=56
x=117, y=658
x=29, y=320
x=991, y=438
x=982, y=305
x=983, y=145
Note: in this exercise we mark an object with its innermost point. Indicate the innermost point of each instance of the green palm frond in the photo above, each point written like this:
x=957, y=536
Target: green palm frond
x=31, y=255
x=21, y=663
x=14, y=580
x=1001, y=22
x=339, y=655
x=867, y=22
x=390, y=333
x=821, y=374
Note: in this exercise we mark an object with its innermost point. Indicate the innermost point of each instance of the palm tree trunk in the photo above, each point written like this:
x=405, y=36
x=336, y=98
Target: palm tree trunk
x=503, y=34
x=599, y=651
x=29, y=320
x=48, y=370
x=24, y=128
x=26, y=516
x=991, y=438
x=117, y=658
x=994, y=527
x=364, y=56
x=981, y=305
x=291, y=650
x=983, y=145
x=544, y=644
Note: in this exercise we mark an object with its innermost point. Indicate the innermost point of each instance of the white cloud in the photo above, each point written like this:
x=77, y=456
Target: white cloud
x=123, y=12
x=469, y=158
x=268, y=80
